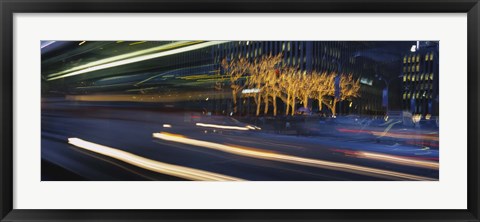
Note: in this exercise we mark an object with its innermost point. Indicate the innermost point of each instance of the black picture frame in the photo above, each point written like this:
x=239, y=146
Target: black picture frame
x=9, y=7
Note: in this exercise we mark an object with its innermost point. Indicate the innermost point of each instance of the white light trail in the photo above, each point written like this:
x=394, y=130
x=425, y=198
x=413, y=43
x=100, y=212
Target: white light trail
x=248, y=91
x=116, y=62
x=152, y=165
x=47, y=44
x=120, y=57
x=223, y=126
x=398, y=160
x=261, y=154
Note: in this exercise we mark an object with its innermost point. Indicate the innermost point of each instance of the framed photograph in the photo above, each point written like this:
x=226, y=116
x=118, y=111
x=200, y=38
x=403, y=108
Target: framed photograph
x=239, y=110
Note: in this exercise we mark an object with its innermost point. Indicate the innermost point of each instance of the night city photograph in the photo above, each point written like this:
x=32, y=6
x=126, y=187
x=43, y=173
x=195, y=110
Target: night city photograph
x=240, y=110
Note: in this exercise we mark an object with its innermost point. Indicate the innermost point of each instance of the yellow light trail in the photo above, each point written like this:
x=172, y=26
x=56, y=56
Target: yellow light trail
x=136, y=43
x=138, y=59
x=433, y=137
x=223, y=126
x=152, y=165
x=114, y=61
x=123, y=56
x=398, y=160
x=260, y=154
x=145, y=97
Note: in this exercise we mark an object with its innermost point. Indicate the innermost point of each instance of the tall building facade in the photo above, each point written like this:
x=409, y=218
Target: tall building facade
x=420, y=71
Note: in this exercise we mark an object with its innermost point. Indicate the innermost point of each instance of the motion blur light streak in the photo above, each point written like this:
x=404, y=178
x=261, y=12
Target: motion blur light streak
x=136, y=59
x=224, y=127
x=47, y=44
x=133, y=98
x=394, y=159
x=148, y=164
x=433, y=137
x=120, y=57
x=257, y=110
x=255, y=153
x=399, y=160
x=411, y=136
x=388, y=128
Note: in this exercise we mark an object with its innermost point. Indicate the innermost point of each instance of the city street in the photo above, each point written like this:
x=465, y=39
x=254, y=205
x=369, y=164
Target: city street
x=98, y=141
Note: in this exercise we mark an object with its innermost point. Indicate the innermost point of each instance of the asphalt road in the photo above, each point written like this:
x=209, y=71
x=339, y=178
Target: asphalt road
x=189, y=150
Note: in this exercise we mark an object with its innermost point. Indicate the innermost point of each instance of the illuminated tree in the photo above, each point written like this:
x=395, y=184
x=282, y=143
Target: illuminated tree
x=349, y=88
x=268, y=79
x=263, y=78
x=288, y=86
x=306, y=87
x=323, y=86
x=271, y=78
x=235, y=70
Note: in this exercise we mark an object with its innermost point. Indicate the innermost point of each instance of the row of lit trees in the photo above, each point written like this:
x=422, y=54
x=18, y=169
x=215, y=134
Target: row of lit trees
x=269, y=79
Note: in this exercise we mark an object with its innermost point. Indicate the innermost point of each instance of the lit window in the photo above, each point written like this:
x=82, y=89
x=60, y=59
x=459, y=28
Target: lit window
x=409, y=59
x=404, y=78
x=413, y=78
x=418, y=67
x=426, y=57
x=418, y=58
x=404, y=95
x=431, y=56
x=421, y=76
x=431, y=76
x=405, y=59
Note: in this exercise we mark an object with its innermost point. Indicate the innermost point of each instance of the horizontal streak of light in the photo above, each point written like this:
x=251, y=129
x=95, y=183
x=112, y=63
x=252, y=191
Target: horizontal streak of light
x=152, y=165
x=123, y=56
x=411, y=136
x=222, y=126
x=142, y=89
x=147, y=97
x=136, y=43
x=255, y=153
x=139, y=59
x=102, y=86
x=399, y=160
x=407, y=136
x=164, y=74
